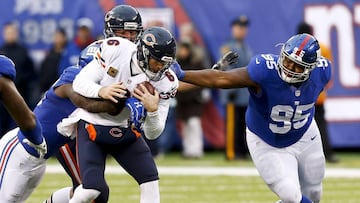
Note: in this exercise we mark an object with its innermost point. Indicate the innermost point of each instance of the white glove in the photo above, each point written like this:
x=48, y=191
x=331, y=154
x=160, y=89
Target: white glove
x=228, y=59
x=40, y=148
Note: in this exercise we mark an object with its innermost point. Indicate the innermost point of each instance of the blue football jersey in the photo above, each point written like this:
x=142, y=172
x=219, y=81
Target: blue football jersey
x=52, y=109
x=7, y=67
x=282, y=112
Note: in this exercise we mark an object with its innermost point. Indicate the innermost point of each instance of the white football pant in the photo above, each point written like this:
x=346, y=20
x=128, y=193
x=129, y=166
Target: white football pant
x=20, y=172
x=292, y=171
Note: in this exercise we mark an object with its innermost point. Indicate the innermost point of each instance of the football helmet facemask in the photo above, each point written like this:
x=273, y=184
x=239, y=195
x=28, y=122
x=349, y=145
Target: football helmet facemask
x=123, y=17
x=303, y=50
x=159, y=44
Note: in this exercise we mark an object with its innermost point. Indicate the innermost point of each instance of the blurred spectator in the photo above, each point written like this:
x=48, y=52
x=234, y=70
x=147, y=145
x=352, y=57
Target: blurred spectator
x=170, y=136
x=25, y=71
x=236, y=100
x=82, y=39
x=189, y=34
x=48, y=70
x=190, y=105
x=303, y=27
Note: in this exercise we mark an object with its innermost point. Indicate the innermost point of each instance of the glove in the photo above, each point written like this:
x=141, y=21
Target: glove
x=41, y=149
x=180, y=74
x=138, y=112
x=228, y=59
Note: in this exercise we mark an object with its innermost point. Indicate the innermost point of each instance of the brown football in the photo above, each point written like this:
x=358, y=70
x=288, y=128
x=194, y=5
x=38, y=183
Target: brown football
x=149, y=87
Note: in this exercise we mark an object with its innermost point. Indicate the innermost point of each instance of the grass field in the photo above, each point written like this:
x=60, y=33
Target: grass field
x=209, y=188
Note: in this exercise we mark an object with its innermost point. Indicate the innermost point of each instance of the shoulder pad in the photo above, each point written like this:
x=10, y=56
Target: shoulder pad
x=69, y=74
x=87, y=54
x=7, y=67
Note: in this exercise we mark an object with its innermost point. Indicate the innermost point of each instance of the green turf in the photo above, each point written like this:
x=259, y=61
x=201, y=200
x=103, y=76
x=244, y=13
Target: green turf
x=209, y=189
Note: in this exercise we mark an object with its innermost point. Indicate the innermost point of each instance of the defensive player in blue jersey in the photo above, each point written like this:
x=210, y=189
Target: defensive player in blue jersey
x=57, y=104
x=283, y=138
x=30, y=133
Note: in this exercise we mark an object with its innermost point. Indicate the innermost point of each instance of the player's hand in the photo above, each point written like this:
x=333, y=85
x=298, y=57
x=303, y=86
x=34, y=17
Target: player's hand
x=180, y=74
x=113, y=92
x=138, y=112
x=228, y=59
x=41, y=149
x=150, y=101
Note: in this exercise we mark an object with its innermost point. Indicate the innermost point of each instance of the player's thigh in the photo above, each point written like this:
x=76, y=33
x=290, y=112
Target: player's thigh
x=137, y=160
x=311, y=158
x=20, y=171
x=66, y=155
x=91, y=159
x=273, y=164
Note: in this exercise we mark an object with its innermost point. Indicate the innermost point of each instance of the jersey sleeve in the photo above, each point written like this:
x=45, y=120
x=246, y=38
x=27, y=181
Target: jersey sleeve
x=87, y=81
x=167, y=87
x=110, y=50
x=327, y=71
x=7, y=68
x=256, y=68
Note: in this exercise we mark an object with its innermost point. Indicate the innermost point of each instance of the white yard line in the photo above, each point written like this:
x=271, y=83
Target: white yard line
x=216, y=171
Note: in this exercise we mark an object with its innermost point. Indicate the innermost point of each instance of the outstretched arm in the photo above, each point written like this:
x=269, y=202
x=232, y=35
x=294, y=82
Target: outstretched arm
x=234, y=78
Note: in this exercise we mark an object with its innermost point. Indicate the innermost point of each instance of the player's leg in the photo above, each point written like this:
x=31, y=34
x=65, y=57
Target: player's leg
x=91, y=158
x=62, y=195
x=20, y=172
x=150, y=192
x=66, y=156
x=241, y=149
x=311, y=164
x=277, y=167
x=137, y=160
x=192, y=138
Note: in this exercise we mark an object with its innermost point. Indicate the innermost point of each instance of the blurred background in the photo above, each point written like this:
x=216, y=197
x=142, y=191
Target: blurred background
x=204, y=27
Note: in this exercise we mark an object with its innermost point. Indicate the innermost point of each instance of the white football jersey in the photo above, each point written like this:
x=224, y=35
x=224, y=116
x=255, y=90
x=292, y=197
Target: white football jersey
x=115, y=62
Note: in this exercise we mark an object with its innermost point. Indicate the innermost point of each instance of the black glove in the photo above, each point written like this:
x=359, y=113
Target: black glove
x=228, y=59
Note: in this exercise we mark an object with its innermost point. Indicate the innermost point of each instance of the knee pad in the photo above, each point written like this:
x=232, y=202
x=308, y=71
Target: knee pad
x=287, y=190
x=82, y=195
x=313, y=192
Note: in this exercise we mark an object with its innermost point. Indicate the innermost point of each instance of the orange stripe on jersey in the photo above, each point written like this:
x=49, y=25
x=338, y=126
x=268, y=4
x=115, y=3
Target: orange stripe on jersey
x=100, y=59
x=135, y=131
x=91, y=131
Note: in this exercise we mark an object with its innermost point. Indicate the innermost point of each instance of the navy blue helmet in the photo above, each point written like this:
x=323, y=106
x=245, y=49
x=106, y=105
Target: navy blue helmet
x=122, y=17
x=159, y=44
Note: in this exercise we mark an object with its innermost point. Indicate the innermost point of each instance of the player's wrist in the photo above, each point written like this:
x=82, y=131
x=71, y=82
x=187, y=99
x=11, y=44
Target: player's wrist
x=180, y=74
x=34, y=135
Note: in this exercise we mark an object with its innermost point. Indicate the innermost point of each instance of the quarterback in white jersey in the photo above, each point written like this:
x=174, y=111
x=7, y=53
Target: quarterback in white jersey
x=118, y=69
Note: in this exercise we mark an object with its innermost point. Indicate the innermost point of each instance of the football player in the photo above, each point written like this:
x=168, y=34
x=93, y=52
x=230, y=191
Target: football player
x=283, y=138
x=121, y=21
x=58, y=102
x=120, y=61
x=29, y=137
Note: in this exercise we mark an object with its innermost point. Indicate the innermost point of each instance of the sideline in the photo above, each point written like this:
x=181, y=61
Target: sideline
x=214, y=171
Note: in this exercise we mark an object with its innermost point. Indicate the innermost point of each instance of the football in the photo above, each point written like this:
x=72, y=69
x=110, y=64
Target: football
x=148, y=86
